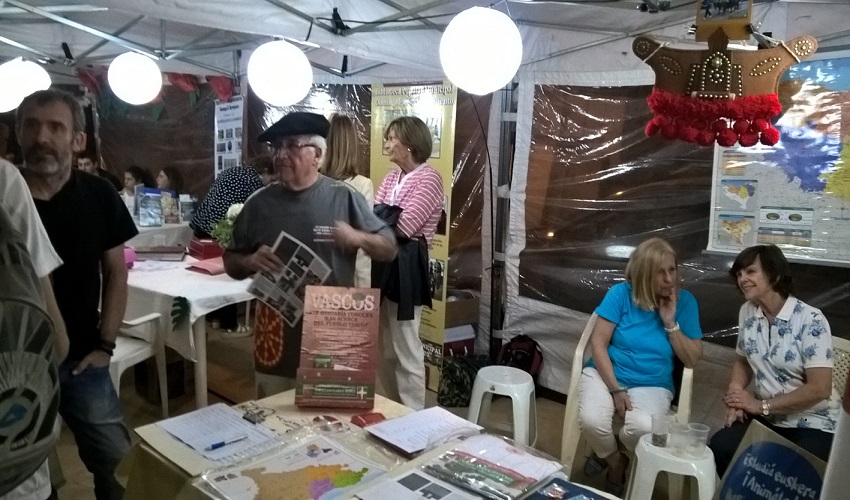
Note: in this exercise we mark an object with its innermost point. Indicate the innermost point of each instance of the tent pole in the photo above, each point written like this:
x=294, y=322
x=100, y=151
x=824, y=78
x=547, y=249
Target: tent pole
x=507, y=142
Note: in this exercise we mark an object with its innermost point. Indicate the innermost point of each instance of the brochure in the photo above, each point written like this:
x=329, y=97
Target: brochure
x=170, y=210
x=284, y=291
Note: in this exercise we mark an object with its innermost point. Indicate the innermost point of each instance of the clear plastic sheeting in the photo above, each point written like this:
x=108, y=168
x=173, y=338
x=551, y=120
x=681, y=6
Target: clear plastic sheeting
x=597, y=187
x=464, y=267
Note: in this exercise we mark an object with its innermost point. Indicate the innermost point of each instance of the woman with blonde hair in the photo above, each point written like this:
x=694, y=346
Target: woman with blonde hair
x=642, y=323
x=342, y=161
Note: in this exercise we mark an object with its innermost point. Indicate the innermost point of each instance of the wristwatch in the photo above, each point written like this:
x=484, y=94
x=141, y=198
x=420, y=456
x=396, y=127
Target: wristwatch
x=765, y=407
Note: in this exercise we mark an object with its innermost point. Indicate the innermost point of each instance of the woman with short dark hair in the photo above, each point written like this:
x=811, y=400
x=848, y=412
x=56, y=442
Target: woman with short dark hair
x=785, y=347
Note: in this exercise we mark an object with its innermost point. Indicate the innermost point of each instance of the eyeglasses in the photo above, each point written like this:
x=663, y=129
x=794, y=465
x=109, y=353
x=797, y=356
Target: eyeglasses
x=290, y=147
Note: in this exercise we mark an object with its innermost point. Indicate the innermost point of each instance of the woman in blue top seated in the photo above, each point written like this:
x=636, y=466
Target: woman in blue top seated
x=642, y=324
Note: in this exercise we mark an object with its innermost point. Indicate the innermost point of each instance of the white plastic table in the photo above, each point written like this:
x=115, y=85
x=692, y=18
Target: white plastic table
x=156, y=291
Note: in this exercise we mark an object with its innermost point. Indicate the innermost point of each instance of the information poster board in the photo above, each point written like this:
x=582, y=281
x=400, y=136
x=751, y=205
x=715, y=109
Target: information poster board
x=339, y=347
x=228, y=134
x=435, y=104
x=795, y=194
x=766, y=465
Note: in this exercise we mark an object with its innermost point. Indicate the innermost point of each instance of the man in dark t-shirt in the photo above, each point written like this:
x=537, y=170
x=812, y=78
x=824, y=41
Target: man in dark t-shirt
x=87, y=224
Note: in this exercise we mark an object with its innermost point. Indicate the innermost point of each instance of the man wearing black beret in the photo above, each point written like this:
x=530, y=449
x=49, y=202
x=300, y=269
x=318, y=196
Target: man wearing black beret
x=326, y=215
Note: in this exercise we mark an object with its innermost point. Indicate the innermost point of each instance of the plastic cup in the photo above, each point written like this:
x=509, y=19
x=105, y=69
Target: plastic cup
x=679, y=439
x=661, y=428
x=159, y=240
x=697, y=439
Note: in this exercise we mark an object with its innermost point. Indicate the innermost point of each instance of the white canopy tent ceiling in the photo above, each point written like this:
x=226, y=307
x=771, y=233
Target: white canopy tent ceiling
x=382, y=39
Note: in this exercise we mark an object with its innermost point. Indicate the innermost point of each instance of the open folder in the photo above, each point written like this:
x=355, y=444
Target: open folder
x=213, y=267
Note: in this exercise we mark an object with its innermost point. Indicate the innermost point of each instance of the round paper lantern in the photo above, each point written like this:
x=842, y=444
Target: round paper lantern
x=279, y=73
x=18, y=79
x=481, y=50
x=134, y=78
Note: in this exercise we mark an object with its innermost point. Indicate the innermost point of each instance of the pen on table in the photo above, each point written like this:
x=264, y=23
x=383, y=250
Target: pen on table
x=220, y=444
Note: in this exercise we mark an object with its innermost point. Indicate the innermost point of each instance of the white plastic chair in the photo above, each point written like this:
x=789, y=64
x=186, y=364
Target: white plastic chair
x=841, y=357
x=511, y=382
x=140, y=339
x=572, y=441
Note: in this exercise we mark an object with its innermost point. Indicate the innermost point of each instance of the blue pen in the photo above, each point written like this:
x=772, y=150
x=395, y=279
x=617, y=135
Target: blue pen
x=220, y=444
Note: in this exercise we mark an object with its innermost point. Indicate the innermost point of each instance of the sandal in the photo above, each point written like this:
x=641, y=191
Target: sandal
x=615, y=488
x=594, y=466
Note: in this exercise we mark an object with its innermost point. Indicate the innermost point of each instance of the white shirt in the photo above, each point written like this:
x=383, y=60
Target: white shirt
x=779, y=352
x=17, y=201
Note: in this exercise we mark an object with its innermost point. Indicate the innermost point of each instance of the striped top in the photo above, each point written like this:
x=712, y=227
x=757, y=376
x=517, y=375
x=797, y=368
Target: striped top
x=419, y=194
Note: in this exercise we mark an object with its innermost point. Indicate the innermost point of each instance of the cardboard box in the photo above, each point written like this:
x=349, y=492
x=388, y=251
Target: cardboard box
x=203, y=249
x=462, y=311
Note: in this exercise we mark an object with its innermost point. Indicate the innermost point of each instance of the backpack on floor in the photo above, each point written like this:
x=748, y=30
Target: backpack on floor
x=457, y=377
x=29, y=381
x=522, y=352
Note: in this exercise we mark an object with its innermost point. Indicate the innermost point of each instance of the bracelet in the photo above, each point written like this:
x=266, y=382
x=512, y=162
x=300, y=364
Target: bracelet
x=671, y=330
x=618, y=390
x=105, y=349
x=107, y=343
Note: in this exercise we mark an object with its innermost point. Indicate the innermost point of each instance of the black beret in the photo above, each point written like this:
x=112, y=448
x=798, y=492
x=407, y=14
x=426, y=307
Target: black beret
x=296, y=123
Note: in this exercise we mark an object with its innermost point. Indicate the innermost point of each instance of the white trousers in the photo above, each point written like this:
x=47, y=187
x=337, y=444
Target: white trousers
x=597, y=414
x=402, y=366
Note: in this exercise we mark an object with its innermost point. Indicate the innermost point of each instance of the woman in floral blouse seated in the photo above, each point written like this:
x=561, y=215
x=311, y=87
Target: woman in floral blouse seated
x=786, y=344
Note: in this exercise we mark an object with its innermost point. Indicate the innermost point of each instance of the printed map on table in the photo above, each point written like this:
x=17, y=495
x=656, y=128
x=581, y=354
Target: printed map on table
x=317, y=469
x=795, y=194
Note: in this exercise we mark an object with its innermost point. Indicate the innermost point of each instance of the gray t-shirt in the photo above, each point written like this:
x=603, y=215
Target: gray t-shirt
x=308, y=216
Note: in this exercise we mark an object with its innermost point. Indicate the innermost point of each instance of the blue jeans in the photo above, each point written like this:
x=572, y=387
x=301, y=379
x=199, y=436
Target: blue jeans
x=90, y=407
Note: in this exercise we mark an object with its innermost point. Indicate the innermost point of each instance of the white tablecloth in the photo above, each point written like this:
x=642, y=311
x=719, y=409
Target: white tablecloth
x=156, y=290
x=166, y=234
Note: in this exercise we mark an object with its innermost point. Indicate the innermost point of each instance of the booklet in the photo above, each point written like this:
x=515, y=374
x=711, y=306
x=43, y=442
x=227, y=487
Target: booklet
x=187, y=207
x=284, y=291
x=213, y=267
x=170, y=210
x=422, y=430
x=149, y=201
x=492, y=467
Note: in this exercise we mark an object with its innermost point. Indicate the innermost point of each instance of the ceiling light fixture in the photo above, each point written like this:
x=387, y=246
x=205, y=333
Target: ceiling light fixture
x=481, y=50
x=18, y=79
x=134, y=78
x=279, y=73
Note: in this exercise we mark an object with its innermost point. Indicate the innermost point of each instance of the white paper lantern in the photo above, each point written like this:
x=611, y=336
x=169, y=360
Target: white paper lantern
x=134, y=78
x=481, y=50
x=279, y=73
x=18, y=79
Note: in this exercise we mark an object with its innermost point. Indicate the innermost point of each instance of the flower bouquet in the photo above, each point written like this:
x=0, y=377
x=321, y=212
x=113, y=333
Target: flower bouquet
x=222, y=231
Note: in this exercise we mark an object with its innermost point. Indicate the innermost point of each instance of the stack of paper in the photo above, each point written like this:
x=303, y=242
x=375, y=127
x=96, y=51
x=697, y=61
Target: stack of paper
x=220, y=434
x=422, y=430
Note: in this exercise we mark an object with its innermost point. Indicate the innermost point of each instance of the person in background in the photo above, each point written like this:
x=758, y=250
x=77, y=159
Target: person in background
x=169, y=178
x=410, y=198
x=642, y=324
x=134, y=176
x=88, y=229
x=233, y=185
x=325, y=215
x=16, y=201
x=268, y=174
x=343, y=163
x=87, y=162
x=785, y=345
